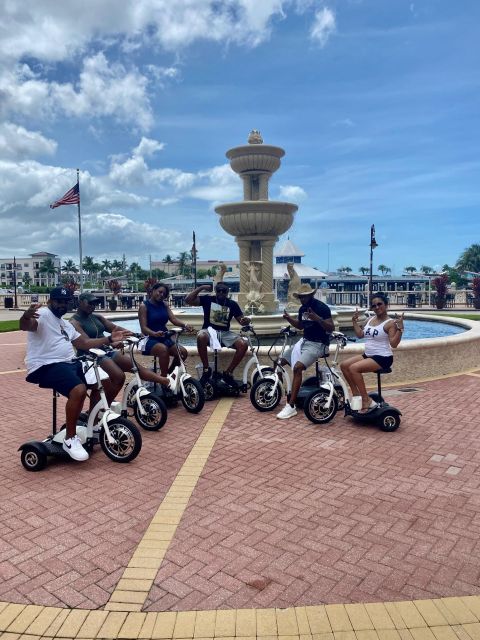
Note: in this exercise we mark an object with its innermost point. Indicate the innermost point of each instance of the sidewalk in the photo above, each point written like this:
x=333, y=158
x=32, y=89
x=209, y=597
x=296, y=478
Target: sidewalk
x=231, y=523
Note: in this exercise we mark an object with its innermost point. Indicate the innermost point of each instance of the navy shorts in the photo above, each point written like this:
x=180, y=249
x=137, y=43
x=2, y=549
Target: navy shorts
x=151, y=342
x=384, y=361
x=61, y=376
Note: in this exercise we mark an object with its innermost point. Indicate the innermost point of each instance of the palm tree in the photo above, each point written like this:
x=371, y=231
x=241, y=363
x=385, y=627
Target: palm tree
x=410, y=270
x=168, y=261
x=48, y=268
x=89, y=265
x=117, y=267
x=384, y=269
x=69, y=267
x=426, y=270
x=183, y=260
x=96, y=270
x=469, y=260
x=106, y=266
x=346, y=270
x=363, y=270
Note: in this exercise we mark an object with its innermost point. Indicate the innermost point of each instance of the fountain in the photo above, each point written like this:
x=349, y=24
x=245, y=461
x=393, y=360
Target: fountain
x=256, y=222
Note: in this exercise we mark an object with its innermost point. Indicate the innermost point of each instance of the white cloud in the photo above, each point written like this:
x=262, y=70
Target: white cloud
x=48, y=33
x=103, y=90
x=219, y=184
x=147, y=147
x=291, y=193
x=18, y=143
x=323, y=27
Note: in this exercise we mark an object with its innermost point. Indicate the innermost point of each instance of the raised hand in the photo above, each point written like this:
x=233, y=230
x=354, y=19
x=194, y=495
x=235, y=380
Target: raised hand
x=31, y=312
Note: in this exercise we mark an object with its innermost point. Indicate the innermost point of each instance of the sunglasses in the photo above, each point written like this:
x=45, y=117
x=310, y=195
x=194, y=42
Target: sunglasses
x=379, y=304
x=64, y=334
x=222, y=290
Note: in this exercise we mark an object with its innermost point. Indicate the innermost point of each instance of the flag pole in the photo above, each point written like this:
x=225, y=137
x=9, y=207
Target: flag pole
x=80, y=233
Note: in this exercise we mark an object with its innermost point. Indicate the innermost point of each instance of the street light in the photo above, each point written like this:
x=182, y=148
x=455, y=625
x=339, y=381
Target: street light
x=373, y=245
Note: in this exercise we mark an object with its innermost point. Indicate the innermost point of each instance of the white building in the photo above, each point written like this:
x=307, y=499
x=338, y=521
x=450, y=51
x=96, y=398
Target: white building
x=29, y=269
x=289, y=253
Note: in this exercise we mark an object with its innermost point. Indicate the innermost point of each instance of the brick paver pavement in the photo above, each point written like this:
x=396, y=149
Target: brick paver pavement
x=284, y=513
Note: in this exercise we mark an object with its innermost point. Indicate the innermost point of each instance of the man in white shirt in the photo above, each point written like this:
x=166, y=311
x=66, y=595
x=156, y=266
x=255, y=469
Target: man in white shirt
x=49, y=359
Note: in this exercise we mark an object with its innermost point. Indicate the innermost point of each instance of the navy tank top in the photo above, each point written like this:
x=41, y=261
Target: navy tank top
x=157, y=316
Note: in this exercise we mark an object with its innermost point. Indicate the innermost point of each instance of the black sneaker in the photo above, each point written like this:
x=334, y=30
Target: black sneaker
x=229, y=379
x=206, y=375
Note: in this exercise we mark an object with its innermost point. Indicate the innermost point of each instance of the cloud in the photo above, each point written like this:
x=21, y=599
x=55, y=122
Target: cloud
x=291, y=193
x=134, y=171
x=219, y=184
x=323, y=27
x=52, y=32
x=18, y=143
x=103, y=90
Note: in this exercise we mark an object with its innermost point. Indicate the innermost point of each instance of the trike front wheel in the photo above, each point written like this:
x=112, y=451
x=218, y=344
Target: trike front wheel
x=127, y=440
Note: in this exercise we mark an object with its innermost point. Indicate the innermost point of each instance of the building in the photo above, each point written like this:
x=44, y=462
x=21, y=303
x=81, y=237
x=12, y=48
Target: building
x=29, y=271
x=289, y=253
x=171, y=268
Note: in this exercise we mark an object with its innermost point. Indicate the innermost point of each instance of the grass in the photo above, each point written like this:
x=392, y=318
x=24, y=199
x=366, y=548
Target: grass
x=9, y=325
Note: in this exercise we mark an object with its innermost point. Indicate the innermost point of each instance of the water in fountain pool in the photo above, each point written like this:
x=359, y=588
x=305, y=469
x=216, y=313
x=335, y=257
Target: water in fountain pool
x=413, y=329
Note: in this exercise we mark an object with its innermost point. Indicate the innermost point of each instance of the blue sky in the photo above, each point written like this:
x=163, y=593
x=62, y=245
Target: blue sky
x=376, y=103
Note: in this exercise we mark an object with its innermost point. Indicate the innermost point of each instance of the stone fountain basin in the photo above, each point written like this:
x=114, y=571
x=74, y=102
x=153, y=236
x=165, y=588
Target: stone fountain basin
x=256, y=217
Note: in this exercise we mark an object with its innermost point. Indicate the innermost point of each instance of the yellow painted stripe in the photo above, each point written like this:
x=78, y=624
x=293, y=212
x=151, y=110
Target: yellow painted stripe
x=134, y=586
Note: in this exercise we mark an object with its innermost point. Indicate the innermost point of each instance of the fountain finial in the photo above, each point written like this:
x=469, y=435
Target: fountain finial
x=255, y=137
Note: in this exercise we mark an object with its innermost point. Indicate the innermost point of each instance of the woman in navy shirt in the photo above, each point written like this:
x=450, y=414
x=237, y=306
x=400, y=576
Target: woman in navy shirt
x=154, y=315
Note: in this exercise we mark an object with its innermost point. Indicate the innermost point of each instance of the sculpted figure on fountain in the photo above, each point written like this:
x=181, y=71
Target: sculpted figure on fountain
x=293, y=287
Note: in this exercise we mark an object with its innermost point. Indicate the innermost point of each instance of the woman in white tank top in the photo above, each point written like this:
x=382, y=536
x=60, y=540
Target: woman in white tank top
x=381, y=335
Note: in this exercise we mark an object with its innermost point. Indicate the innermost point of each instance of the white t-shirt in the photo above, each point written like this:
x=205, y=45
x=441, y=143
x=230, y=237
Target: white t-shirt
x=51, y=342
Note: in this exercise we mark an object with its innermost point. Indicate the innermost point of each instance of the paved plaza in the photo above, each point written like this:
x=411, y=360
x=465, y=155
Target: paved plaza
x=231, y=523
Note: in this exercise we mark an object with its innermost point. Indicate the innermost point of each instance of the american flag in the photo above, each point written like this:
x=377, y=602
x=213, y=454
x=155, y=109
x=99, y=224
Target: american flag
x=71, y=197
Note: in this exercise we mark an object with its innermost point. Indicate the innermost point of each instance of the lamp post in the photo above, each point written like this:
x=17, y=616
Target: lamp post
x=373, y=245
x=15, y=281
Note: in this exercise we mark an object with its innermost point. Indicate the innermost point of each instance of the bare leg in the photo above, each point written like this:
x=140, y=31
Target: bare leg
x=160, y=351
x=357, y=369
x=345, y=366
x=240, y=347
x=202, y=346
x=298, y=370
x=116, y=379
x=73, y=408
x=125, y=364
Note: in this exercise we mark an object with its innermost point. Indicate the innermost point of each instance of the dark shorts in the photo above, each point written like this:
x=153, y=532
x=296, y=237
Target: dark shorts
x=151, y=342
x=61, y=376
x=384, y=361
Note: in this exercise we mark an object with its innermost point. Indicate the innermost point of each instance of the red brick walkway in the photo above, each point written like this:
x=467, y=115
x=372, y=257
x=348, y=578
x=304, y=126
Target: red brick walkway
x=285, y=513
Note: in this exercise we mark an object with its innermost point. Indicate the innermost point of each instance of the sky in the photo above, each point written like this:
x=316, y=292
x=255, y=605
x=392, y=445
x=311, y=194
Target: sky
x=376, y=103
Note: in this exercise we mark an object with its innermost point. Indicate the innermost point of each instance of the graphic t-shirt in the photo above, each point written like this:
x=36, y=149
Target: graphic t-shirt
x=311, y=329
x=219, y=315
x=51, y=342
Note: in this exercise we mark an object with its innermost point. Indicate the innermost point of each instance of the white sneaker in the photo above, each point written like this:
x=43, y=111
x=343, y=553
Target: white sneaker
x=74, y=448
x=287, y=412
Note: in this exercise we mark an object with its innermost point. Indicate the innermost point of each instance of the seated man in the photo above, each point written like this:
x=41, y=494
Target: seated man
x=315, y=318
x=92, y=325
x=218, y=311
x=49, y=359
